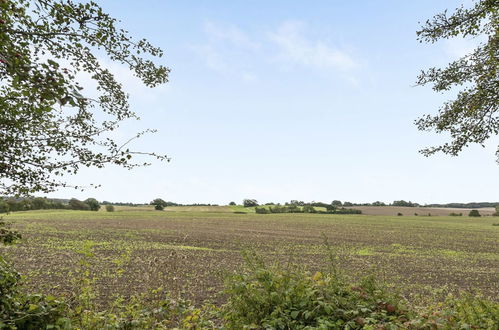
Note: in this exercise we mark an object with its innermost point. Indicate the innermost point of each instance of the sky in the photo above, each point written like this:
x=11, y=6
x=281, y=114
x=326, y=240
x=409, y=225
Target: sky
x=280, y=100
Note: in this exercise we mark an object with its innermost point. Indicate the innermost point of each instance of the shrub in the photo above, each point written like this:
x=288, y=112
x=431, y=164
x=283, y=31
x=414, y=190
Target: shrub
x=453, y=214
x=250, y=203
x=19, y=310
x=474, y=213
x=347, y=211
x=159, y=204
x=261, y=210
x=109, y=208
x=92, y=203
x=75, y=204
x=399, y=214
x=308, y=209
x=159, y=201
x=232, y=203
x=289, y=298
x=277, y=297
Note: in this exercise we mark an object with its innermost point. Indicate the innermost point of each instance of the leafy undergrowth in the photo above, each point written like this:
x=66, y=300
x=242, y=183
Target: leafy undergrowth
x=278, y=297
x=261, y=297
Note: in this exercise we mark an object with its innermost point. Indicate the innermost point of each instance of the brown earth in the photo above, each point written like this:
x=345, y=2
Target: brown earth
x=422, y=211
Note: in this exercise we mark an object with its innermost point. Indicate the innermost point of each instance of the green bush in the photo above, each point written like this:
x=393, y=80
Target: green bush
x=19, y=310
x=277, y=297
x=159, y=207
x=250, y=203
x=92, y=203
x=75, y=204
x=273, y=297
x=474, y=213
x=261, y=210
x=347, y=211
x=454, y=214
x=109, y=208
x=308, y=209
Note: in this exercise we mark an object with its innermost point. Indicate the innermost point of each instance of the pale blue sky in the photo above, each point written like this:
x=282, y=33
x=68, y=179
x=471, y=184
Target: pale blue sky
x=280, y=100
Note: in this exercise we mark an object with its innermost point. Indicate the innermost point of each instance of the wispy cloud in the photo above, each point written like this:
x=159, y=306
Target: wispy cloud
x=230, y=34
x=296, y=48
x=228, y=50
x=233, y=52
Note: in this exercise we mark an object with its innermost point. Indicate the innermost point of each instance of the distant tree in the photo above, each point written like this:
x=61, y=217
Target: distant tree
x=474, y=213
x=308, y=209
x=109, y=208
x=232, y=203
x=92, y=203
x=4, y=206
x=347, y=204
x=75, y=204
x=250, y=203
x=378, y=203
x=40, y=203
x=159, y=204
x=404, y=203
x=331, y=208
x=337, y=203
x=261, y=210
x=473, y=116
x=13, y=205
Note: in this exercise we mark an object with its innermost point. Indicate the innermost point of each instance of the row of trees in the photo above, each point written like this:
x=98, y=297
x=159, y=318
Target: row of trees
x=338, y=203
x=42, y=203
x=335, y=203
x=304, y=209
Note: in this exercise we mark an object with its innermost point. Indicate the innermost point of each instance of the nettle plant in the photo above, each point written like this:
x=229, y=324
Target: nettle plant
x=48, y=126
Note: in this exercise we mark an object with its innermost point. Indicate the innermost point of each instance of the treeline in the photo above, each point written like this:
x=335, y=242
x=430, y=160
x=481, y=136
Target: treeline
x=330, y=209
x=42, y=203
x=473, y=205
x=335, y=203
x=338, y=203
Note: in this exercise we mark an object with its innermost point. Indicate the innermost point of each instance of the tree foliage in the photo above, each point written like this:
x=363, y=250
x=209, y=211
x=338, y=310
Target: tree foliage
x=473, y=116
x=92, y=203
x=48, y=128
x=250, y=202
x=474, y=213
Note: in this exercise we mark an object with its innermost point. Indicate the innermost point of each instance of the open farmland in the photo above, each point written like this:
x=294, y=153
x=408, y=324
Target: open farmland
x=423, y=211
x=189, y=252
